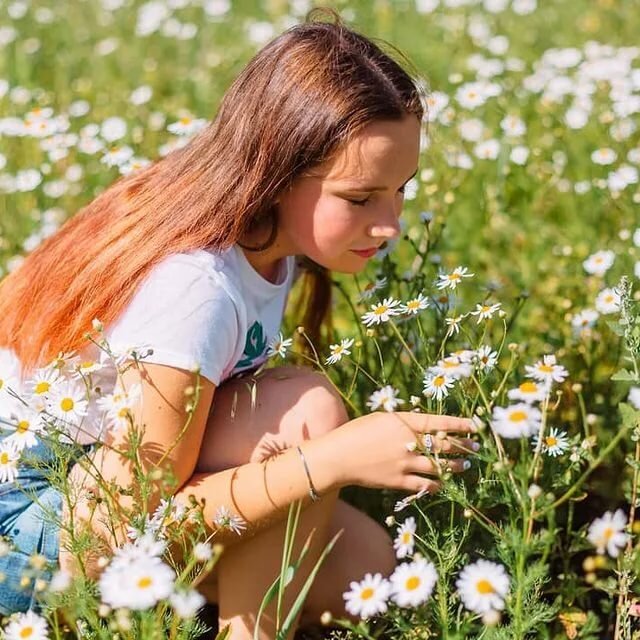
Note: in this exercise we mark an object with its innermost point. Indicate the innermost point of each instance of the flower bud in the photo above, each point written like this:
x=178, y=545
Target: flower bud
x=104, y=610
x=491, y=618
x=390, y=521
x=467, y=513
x=326, y=618
x=535, y=491
x=97, y=325
x=513, y=346
x=590, y=578
x=370, y=333
x=300, y=330
x=589, y=564
x=576, y=387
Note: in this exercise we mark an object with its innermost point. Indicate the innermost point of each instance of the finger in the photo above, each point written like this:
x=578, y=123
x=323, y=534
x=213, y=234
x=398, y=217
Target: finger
x=438, y=466
x=456, y=445
x=418, y=484
x=425, y=422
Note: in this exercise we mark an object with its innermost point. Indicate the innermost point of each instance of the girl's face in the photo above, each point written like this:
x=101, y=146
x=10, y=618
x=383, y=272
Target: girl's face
x=342, y=212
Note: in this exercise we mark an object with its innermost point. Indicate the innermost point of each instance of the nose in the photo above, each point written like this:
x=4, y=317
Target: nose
x=387, y=226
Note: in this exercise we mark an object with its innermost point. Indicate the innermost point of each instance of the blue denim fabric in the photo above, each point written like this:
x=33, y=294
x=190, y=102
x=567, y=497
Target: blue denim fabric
x=29, y=510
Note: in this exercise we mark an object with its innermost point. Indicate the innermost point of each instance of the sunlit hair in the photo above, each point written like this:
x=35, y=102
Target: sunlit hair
x=294, y=106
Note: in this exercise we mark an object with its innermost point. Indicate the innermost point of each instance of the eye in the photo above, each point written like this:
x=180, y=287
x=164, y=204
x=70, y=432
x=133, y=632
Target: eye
x=359, y=203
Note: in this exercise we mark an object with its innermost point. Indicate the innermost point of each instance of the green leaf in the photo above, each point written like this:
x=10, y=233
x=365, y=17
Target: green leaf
x=624, y=375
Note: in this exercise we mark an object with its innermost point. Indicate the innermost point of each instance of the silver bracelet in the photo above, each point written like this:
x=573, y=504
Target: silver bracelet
x=312, y=491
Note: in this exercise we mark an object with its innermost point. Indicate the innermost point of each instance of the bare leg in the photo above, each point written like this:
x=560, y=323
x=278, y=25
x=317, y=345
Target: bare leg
x=291, y=405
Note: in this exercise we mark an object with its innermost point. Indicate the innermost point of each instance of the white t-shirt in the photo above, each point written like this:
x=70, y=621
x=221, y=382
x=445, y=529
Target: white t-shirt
x=200, y=307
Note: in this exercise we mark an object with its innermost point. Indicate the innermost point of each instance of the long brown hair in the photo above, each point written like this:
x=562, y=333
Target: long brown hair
x=292, y=107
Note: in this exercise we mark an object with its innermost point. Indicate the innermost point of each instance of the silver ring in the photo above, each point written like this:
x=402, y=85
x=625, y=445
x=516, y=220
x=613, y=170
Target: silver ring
x=427, y=441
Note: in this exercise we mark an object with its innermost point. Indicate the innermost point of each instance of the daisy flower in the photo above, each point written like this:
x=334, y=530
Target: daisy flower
x=119, y=406
x=27, y=626
x=608, y=301
x=485, y=358
x=202, y=552
x=137, y=585
x=482, y=586
x=187, y=126
x=598, y=263
x=381, y=312
x=371, y=288
x=453, y=324
x=67, y=402
x=386, y=397
x=339, y=350
x=117, y=156
x=226, y=519
x=485, y=311
x=413, y=582
x=368, y=597
x=516, y=421
x=437, y=386
x=415, y=305
x=547, y=370
x=8, y=463
x=607, y=533
x=603, y=156
x=453, y=279
x=529, y=391
x=278, y=346
x=584, y=319
x=452, y=366
x=553, y=444
x=404, y=540
x=86, y=367
x=40, y=385
x=187, y=603
x=27, y=426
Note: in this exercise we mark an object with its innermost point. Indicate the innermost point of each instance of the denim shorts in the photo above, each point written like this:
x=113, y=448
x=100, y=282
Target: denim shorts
x=30, y=511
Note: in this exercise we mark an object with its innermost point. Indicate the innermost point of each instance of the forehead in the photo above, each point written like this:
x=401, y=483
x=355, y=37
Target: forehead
x=380, y=150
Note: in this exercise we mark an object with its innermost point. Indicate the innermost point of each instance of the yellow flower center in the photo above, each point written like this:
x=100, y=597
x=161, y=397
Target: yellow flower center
x=413, y=304
x=484, y=587
x=438, y=381
x=608, y=298
x=607, y=533
x=86, y=365
x=66, y=404
x=412, y=583
x=455, y=277
x=23, y=426
x=545, y=368
x=381, y=309
x=449, y=364
x=551, y=441
x=406, y=537
x=338, y=350
x=518, y=416
x=185, y=120
x=4, y=458
x=367, y=593
x=26, y=632
x=123, y=413
x=42, y=387
x=528, y=387
x=145, y=583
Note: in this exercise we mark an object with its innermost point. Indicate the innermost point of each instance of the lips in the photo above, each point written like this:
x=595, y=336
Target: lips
x=366, y=253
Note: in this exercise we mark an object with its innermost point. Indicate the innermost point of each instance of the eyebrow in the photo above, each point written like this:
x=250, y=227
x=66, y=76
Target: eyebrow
x=365, y=188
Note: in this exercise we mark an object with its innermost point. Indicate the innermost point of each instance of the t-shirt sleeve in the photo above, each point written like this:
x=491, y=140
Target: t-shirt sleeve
x=184, y=314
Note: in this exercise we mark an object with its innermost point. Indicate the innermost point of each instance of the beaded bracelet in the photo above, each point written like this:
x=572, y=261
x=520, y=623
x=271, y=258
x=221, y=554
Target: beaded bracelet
x=312, y=491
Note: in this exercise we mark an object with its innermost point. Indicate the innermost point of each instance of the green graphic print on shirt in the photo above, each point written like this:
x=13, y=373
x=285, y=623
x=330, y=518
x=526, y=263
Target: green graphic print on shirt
x=254, y=346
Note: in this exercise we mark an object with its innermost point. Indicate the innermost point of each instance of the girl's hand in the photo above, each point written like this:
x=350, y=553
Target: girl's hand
x=374, y=450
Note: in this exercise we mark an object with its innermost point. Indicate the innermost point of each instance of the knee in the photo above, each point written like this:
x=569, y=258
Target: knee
x=321, y=407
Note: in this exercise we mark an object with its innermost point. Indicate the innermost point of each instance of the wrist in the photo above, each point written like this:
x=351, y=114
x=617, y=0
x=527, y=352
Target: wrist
x=322, y=464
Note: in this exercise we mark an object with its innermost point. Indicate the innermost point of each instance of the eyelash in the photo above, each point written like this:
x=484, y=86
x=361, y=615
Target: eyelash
x=361, y=203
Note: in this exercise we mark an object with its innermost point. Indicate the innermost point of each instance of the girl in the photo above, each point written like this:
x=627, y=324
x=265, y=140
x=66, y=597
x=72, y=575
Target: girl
x=194, y=256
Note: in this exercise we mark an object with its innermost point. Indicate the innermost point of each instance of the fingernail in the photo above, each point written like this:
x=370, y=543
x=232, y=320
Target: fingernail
x=466, y=465
x=475, y=446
